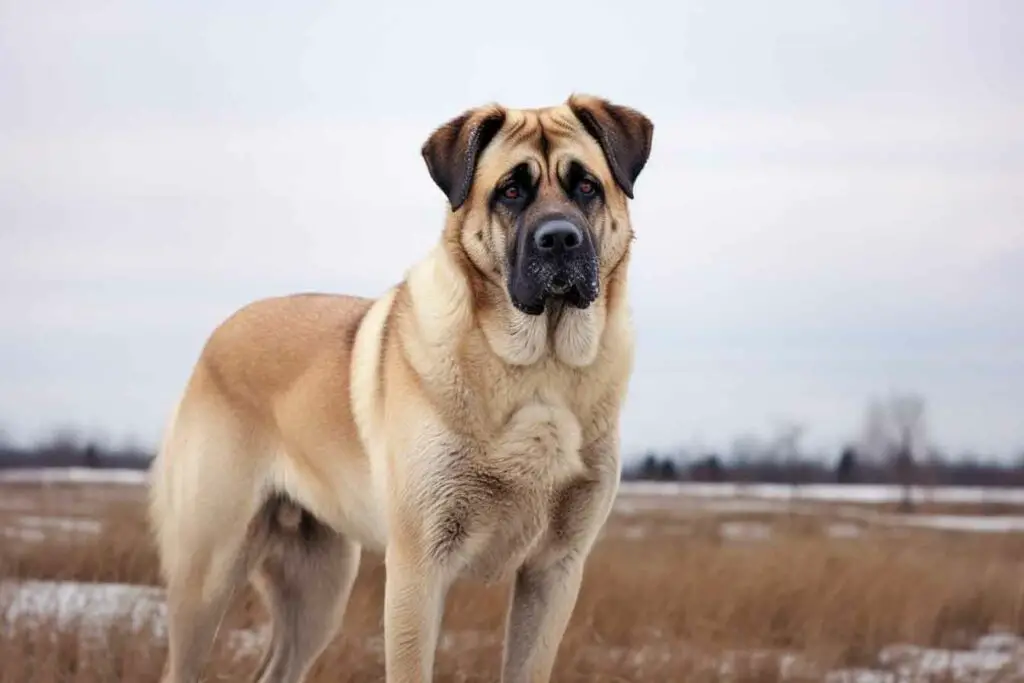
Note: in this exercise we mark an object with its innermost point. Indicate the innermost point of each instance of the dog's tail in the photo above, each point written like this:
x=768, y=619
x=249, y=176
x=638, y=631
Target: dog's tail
x=204, y=480
x=164, y=505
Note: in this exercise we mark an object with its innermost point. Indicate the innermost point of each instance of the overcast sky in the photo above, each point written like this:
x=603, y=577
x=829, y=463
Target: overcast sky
x=834, y=207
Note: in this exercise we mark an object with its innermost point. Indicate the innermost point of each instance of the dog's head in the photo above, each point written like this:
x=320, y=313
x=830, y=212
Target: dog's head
x=539, y=196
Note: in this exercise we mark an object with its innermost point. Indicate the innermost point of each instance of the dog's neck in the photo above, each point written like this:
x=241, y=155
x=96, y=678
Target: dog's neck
x=570, y=335
x=448, y=308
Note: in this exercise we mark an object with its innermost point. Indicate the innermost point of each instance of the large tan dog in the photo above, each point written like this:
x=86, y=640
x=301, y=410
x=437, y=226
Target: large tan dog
x=465, y=423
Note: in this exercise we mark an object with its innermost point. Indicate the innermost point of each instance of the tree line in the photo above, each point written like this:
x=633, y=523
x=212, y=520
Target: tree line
x=892, y=448
x=65, y=449
x=845, y=467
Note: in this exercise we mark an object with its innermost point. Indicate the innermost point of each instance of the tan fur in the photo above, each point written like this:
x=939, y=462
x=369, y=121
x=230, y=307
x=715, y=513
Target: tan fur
x=437, y=424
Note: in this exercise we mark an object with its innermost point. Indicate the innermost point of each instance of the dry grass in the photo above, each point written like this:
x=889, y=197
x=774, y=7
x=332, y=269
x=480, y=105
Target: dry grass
x=666, y=604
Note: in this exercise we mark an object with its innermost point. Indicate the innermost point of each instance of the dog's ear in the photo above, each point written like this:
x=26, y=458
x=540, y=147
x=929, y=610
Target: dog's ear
x=624, y=135
x=452, y=151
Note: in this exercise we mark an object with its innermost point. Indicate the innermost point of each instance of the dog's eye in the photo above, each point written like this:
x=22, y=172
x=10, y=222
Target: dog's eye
x=586, y=188
x=511, y=192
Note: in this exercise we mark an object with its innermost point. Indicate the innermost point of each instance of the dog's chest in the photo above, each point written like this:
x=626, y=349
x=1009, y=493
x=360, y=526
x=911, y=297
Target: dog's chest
x=497, y=537
x=494, y=498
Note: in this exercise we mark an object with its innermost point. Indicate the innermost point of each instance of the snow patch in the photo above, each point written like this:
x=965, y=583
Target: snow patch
x=843, y=530
x=996, y=658
x=968, y=523
x=96, y=606
x=73, y=475
x=745, y=531
x=851, y=493
x=92, y=609
x=19, y=534
x=69, y=524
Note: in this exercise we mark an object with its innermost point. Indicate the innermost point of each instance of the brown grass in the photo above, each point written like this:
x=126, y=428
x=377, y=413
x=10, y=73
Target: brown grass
x=667, y=605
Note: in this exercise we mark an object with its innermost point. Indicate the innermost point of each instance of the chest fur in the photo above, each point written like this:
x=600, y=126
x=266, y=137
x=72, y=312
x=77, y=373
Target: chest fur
x=492, y=500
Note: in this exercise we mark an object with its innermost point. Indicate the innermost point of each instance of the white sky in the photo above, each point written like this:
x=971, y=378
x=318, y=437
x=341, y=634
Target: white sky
x=834, y=207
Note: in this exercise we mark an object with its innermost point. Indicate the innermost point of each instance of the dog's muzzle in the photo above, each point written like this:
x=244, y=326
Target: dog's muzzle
x=553, y=260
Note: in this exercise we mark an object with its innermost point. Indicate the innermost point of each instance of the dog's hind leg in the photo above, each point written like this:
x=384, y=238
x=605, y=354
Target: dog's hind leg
x=204, y=499
x=305, y=578
x=199, y=592
x=196, y=603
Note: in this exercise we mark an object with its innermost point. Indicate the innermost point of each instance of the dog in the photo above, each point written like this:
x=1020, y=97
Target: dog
x=465, y=423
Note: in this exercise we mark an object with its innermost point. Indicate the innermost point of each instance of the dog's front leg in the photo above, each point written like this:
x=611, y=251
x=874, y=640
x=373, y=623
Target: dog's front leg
x=542, y=603
x=546, y=587
x=414, y=594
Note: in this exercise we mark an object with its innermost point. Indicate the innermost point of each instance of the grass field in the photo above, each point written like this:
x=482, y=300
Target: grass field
x=686, y=584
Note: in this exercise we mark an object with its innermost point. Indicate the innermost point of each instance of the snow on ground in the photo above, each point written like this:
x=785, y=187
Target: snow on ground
x=637, y=495
x=745, y=531
x=848, y=493
x=69, y=524
x=995, y=658
x=844, y=530
x=629, y=504
x=94, y=607
x=968, y=523
x=35, y=528
x=73, y=475
x=692, y=499
x=976, y=523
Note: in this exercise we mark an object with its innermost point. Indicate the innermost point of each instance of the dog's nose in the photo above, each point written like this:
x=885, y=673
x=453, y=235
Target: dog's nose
x=557, y=236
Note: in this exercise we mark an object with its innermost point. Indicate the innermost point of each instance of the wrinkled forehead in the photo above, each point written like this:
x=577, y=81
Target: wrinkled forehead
x=547, y=140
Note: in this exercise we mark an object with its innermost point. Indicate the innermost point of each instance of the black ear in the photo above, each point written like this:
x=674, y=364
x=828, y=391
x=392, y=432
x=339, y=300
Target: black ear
x=624, y=135
x=451, y=152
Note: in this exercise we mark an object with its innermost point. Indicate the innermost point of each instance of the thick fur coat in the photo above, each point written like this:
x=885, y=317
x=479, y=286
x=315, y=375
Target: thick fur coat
x=465, y=423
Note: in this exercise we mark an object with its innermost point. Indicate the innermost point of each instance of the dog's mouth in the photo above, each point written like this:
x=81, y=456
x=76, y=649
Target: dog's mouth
x=560, y=285
x=534, y=287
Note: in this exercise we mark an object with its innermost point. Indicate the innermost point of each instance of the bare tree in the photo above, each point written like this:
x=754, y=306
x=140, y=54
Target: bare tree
x=786, y=445
x=746, y=452
x=895, y=434
x=846, y=468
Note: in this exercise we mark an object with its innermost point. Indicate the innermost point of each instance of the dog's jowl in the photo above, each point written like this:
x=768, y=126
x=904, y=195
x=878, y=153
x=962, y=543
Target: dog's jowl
x=465, y=423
